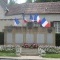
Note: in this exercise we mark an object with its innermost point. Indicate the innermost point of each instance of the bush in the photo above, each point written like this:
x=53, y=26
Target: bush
x=50, y=49
x=7, y=49
x=41, y=52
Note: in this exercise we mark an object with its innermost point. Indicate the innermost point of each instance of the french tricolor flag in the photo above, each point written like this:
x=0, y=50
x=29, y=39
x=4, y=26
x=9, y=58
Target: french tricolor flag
x=31, y=18
x=37, y=18
x=24, y=19
x=16, y=22
x=45, y=23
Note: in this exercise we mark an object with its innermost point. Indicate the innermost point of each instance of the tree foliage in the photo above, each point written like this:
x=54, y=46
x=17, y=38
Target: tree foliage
x=47, y=0
x=12, y=2
x=29, y=1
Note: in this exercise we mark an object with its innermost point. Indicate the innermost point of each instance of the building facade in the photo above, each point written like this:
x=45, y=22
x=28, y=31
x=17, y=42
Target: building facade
x=49, y=10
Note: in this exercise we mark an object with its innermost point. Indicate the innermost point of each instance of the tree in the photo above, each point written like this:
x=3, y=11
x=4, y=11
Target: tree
x=12, y=2
x=47, y=0
x=28, y=1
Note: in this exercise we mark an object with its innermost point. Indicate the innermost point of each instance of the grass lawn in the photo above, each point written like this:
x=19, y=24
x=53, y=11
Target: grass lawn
x=7, y=54
x=52, y=56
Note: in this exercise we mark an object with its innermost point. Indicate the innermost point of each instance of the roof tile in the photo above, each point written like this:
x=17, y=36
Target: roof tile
x=47, y=7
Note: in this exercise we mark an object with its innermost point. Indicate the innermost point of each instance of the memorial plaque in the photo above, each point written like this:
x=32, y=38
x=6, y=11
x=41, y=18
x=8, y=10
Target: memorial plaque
x=9, y=38
x=29, y=38
x=18, y=38
x=40, y=38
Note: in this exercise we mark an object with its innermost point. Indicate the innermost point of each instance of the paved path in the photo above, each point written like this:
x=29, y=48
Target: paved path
x=29, y=57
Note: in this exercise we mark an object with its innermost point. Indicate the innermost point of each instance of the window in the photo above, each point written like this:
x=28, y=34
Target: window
x=57, y=27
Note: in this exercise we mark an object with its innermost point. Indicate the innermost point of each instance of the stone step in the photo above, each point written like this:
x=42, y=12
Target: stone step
x=27, y=51
x=27, y=54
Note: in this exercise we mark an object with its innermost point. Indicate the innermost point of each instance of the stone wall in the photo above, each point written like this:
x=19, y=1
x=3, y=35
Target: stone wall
x=20, y=35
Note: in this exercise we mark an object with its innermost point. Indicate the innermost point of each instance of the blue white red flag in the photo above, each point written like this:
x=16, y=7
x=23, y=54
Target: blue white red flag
x=45, y=23
x=16, y=22
x=24, y=19
x=31, y=18
x=37, y=18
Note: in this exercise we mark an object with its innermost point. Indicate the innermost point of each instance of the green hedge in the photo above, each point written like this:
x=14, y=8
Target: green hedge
x=1, y=38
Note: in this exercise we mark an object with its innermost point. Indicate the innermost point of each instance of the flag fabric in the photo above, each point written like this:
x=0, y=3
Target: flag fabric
x=31, y=18
x=16, y=22
x=48, y=25
x=45, y=23
x=36, y=18
x=24, y=19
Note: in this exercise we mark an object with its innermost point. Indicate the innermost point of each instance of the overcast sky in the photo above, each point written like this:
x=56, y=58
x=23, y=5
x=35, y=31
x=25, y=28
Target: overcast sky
x=21, y=1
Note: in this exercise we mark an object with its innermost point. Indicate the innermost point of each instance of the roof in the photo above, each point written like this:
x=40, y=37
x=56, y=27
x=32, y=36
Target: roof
x=41, y=8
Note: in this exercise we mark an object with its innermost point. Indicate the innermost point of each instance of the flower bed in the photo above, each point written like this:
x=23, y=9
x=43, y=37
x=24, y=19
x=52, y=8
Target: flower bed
x=25, y=45
x=50, y=49
x=8, y=50
x=34, y=45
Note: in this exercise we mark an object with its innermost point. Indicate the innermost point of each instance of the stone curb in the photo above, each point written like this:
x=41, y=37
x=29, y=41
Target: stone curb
x=29, y=57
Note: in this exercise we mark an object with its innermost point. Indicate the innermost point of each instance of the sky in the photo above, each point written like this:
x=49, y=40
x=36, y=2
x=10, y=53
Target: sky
x=21, y=1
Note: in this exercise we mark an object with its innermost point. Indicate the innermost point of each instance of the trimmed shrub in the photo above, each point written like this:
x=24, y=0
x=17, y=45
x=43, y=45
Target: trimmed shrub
x=51, y=49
